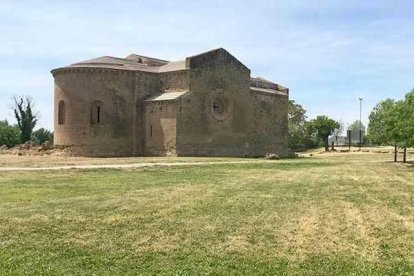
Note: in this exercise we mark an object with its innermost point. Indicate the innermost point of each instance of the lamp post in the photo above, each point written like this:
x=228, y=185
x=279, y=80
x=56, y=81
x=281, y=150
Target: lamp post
x=360, y=123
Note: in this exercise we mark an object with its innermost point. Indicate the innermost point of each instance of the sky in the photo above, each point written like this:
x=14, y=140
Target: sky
x=329, y=53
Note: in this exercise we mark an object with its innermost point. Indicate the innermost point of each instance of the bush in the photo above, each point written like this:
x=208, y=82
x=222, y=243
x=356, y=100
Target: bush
x=9, y=135
x=42, y=135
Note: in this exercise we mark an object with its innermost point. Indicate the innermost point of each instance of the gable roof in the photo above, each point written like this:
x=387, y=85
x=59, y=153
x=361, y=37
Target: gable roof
x=134, y=62
x=129, y=64
x=114, y=63
x=213, y=57
x=146, y=60
x=260, y=83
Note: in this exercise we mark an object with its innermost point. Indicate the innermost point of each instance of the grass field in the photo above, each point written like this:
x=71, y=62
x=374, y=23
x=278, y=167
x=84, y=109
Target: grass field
x=329, y=214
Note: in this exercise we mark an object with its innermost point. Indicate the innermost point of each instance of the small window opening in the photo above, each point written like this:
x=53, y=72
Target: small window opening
x=61, y=113
x=96, y=113
x=151, y=131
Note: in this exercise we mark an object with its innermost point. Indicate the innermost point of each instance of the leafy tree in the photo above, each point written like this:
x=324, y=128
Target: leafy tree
x=356, y=126
x=383, y=121
x=311, y=138
x=338, y=132
x=42, y=135
x=403, y=115
x=322, y=127
x=376, y=126
x=25, y=116
x=408, y=125
x=9, y=135
x=296, y=126
x=392, y=125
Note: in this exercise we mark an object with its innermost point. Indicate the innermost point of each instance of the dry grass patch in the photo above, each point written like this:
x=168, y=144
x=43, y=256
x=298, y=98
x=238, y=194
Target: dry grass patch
x=9, y=160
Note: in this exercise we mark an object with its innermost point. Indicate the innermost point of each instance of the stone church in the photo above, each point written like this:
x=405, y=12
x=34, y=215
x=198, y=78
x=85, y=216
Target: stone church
x=205, y=105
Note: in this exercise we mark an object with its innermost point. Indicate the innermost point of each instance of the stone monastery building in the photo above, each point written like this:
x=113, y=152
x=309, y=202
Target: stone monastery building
x=205, y=105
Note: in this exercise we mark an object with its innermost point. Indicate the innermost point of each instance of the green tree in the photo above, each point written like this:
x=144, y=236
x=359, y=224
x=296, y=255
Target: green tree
x=404, y=122
x=296, y=126
x=376, y=126
x=338, y=132
x=26, y=118
x=392, y=125
x=383, y=121
x=356, y=126
x=9, y=135
x=322, y=127
x=42, y=135
x=408, y=126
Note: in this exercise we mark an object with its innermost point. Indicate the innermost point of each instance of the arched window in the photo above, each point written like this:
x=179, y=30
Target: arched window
x=61, y=113
x=96, y=113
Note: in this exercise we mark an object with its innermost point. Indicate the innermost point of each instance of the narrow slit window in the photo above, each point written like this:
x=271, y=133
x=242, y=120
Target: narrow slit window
x=151, y=131
x=96, y=113
x=61, y=113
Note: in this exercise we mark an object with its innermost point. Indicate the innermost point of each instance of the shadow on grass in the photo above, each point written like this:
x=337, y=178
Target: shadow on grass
x=410, y=163
x=407, y=164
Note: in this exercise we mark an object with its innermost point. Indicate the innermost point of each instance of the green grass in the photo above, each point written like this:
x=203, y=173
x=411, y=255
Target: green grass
x=343, y=214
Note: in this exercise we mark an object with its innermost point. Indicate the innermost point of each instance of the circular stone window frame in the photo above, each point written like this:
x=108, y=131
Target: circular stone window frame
x=220, y=107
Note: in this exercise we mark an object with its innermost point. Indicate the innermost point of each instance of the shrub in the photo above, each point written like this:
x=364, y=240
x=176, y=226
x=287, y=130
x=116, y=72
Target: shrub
x=42, y=135
x=9, y=135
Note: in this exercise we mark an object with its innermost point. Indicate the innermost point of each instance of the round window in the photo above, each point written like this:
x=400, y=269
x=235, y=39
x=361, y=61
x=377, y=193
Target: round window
x=220, y=108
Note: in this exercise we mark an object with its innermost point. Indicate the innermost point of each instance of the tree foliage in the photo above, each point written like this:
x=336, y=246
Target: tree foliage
x=26, y=117
x=299, y=137
x=400, y=122
x=323, y=127
x=296, y=125
x=339, y=131
x=406, y=127
x=357, y=125
x=377, y=127
x=9, y=135
x=42, y=135
x=392, y=123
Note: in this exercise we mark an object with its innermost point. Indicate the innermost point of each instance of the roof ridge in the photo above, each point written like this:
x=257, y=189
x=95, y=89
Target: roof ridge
x=156, y=59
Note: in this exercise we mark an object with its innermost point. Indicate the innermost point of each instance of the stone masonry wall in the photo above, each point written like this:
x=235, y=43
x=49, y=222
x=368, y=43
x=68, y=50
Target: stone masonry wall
x=174, y=81
x=214, y=118
x=79, y=89
x=160, y=123
x=269, y=128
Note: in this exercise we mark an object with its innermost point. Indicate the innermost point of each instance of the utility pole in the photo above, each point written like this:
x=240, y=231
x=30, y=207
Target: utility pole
x=360, y=123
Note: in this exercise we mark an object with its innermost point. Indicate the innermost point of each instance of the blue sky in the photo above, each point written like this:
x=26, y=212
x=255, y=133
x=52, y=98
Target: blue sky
x=329, y=53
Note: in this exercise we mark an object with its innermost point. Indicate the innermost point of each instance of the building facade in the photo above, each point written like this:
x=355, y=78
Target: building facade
x=205, y=105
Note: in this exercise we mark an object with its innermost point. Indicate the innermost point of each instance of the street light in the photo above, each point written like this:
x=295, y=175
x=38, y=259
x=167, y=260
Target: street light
x=360, y=123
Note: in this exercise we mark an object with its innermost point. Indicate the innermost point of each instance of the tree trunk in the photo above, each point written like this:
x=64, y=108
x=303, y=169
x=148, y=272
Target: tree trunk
x=405, y=155
x=395, y=153
x=326, y=143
